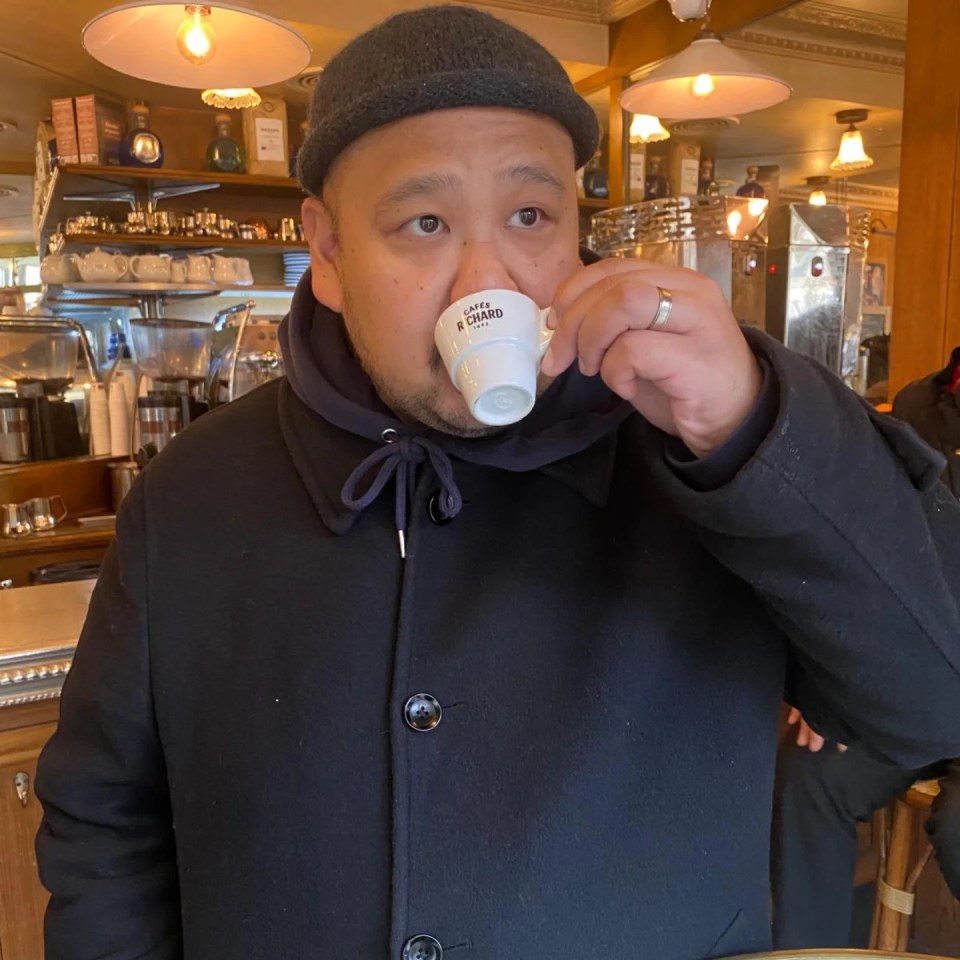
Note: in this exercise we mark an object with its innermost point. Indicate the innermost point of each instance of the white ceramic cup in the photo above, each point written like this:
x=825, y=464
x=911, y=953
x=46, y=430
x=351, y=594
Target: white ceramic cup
x=199, y=269
x=178, y=271
x=491, y=343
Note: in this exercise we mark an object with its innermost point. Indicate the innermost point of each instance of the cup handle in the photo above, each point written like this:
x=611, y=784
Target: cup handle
x=121, y=261
x=133, y=265
x=63, y=506
x=546, y=334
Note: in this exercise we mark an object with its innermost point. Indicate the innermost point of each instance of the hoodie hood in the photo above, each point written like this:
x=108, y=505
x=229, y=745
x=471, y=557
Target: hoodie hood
x=325, y=375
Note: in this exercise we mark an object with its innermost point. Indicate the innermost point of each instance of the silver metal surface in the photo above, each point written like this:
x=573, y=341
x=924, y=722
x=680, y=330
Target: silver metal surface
x=21, y=783
x=720, y=237
x=815, y=281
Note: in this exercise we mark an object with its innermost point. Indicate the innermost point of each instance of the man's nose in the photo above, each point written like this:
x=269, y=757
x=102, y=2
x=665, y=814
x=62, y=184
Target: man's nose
x=481, y=267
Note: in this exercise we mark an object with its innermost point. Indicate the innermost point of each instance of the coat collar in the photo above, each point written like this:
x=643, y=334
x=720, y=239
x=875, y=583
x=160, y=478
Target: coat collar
x=324, y=456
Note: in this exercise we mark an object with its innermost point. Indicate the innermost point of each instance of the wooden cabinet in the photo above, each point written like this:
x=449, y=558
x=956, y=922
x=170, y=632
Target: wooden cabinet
x=22, y=898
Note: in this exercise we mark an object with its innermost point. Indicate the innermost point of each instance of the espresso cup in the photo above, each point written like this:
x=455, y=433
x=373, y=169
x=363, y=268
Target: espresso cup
x=491, y=343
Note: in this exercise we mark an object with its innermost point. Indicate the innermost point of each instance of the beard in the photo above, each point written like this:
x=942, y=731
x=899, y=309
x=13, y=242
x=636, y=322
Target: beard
x=412, y=407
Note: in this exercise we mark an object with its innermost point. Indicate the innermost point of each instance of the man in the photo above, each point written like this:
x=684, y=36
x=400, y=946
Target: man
x=548, y=729
x=822, y=793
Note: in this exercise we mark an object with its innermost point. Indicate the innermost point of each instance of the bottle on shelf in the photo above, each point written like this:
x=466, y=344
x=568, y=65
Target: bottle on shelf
x=141, y=147
x=752, y=187
x=708, y=186
x=224, y=154
x=295, y=148
x=655, y=183
x=595, y=184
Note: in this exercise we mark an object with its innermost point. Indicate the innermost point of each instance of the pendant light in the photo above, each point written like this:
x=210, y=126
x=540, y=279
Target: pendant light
x=209, y=47
x=708, y=79
x=818, y=195
x=686, y=10
x=851, y=156
x=235, y=98
x=645, y=128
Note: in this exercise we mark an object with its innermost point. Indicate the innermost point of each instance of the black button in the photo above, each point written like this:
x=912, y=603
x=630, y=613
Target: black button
x=422, y=948
x=422, y=712
x=436, y=514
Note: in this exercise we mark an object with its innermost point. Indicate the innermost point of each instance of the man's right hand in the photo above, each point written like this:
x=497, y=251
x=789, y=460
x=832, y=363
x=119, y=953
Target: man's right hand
x=806, y=735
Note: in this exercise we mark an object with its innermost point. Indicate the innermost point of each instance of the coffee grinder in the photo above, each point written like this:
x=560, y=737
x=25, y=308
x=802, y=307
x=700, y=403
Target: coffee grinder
x=175, y=356
x=40, y=359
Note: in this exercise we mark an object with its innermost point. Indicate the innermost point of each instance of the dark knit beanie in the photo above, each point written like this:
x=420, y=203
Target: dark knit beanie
x=436, y=58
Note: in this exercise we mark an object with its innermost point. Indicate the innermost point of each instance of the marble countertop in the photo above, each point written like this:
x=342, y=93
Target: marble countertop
x=39, y=628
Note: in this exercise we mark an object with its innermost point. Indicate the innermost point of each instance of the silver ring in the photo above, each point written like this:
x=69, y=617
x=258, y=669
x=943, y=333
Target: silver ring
x=664, y=308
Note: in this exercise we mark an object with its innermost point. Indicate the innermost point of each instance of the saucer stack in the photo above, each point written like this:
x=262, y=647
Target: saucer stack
x=294, y=264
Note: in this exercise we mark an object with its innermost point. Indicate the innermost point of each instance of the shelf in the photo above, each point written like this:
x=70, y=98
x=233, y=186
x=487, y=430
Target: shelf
x=90, y=179
x=121, y=293
x=593, y=203
x=75, y=184
x=79, y=242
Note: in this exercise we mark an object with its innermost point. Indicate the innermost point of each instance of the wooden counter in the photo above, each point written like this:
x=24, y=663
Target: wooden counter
x=39, y=628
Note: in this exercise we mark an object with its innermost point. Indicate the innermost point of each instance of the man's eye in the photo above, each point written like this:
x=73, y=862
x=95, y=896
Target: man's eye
x=527, y=217
x=426, y=226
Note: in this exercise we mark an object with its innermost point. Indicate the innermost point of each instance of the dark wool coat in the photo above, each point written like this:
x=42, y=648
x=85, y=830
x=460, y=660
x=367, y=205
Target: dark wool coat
x=236, y=777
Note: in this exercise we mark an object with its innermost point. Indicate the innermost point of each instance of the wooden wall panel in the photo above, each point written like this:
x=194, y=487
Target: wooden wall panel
x=926, y=314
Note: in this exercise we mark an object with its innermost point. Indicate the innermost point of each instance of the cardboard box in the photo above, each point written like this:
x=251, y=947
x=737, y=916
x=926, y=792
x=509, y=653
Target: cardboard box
x=101, y=126
x=684, y=173
x=65, y=130
x=266, y=138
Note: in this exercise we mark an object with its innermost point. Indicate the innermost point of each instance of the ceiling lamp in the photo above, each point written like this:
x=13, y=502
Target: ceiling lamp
x=685, y=10
x=234, y=98
x=647, y=129
x=213, y=47
x=708, y=79
x=851, y=155
x=818, y=196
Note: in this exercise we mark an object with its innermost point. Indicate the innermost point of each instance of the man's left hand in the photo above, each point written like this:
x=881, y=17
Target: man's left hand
x=695, y=378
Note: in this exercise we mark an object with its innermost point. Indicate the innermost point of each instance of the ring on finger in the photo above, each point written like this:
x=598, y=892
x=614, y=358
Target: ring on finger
x=664, y=307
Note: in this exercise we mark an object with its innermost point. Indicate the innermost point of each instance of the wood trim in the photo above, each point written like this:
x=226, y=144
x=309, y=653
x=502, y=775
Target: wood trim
x=618, y=147
x=653, y=33
x=926, y=324
x=45, y=712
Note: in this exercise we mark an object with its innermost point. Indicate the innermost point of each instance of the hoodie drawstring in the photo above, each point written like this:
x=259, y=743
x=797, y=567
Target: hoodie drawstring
x=399, y=458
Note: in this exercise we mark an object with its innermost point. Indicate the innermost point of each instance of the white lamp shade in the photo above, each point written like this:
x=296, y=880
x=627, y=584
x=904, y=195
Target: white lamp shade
x=647, y=129
x=689, y=9
x=739, y=85
x=140, y=40
x=851, y=155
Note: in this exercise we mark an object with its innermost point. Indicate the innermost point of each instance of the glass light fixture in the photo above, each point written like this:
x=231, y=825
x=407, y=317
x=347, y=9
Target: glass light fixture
x=647, y=129
x=248, y=49
x=232, y=98
x=708, y=79
x=818, y=196
x=851, y=156
x=685, y=10
x=196, y=38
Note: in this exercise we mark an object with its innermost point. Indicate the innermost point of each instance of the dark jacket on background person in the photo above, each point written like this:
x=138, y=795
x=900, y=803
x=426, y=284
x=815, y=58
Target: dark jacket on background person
x=608, y=629
x=930, y=406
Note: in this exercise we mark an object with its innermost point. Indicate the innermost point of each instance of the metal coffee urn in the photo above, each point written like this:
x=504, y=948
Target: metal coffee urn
x=721, y=237
x=815, y=261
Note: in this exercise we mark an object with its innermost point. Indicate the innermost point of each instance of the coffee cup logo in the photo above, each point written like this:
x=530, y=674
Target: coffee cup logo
x=479, y=315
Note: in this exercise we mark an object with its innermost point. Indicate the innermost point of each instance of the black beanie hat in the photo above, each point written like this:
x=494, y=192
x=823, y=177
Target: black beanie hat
x=436, y=58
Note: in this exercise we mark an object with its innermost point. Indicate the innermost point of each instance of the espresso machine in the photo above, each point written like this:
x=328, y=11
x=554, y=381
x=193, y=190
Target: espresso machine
x=38, y=361
x=816, y=260
x=175, y=357
x=720, y=236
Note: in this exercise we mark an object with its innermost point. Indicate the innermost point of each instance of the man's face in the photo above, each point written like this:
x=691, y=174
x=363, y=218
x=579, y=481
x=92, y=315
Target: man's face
x=420, y=213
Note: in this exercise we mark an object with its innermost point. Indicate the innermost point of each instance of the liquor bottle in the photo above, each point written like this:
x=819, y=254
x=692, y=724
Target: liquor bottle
x=295, y=148
x=224, y=153
x=708, y=185
x=141, y=147
x=752, y=187
x=595, y=182
x=655, y=184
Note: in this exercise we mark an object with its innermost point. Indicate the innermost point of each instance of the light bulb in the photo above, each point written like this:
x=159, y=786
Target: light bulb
x=703, y=85
x=756, y=206
x=817, y=198
x=196, y=39
x=734, y=219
